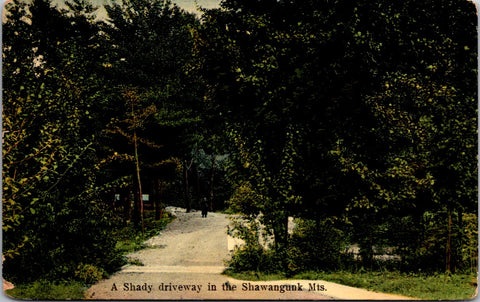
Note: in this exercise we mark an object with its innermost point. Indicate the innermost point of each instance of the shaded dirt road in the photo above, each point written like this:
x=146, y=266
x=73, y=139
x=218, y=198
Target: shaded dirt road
x=186, y=261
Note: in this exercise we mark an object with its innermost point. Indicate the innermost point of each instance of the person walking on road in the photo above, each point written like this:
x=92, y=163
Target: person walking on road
x=204, y=207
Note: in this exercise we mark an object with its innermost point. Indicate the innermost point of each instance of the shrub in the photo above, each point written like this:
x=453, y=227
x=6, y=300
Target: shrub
x=312, y=246
x=75, y=232
x=316, y=246
x=88, y=273
x=248, y=258
x=251, y=256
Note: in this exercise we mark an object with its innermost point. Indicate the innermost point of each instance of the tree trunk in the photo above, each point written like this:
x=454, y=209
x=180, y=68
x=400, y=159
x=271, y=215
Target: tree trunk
x=137, y=168
x=188, y=202
x=136, y=208
x=159, y=185
x=459, y=241
x=197, y=186
x=212, y=176
x=448, y=260
x=280, y=233
x=126, y=199
x=139, y=183
x=366, y=246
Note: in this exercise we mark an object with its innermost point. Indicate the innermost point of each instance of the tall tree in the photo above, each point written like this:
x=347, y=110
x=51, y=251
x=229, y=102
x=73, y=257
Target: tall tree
x=51, y=200
x=151, y=50
x=421, y=103
x=320, y=71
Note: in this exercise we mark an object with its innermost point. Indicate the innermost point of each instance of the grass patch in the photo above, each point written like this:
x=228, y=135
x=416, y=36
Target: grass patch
x=135, y=262
x=255, y=276
x=421, y=286
x=47, y=290
x=131, y=239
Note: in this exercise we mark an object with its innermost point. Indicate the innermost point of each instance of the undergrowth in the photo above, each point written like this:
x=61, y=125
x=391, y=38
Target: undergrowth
x=129, y=239
x=48, y=290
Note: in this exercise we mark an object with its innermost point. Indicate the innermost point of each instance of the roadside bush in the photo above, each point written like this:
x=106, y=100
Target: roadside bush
x=89, y=274
x=248, y=258
x=312, y=246
x=252, y=255
x=60, y=236
x=316, y=246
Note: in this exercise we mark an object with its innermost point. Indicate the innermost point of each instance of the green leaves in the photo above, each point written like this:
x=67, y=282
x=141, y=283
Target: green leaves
x=359, y=112
x=50, y=126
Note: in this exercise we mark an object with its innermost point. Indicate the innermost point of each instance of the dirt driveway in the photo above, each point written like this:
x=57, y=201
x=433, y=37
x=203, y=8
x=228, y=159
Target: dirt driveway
x=186, y=261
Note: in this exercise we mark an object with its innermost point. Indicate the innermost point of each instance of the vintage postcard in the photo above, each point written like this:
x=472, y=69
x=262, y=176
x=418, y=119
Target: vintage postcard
x=239, y=150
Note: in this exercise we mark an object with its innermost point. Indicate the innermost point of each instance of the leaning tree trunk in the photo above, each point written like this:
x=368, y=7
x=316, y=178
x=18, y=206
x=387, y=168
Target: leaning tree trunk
x=140, y=194
x=137, y=168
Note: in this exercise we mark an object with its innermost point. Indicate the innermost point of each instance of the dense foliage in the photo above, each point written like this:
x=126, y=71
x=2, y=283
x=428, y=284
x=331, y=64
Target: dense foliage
x=81, y=126
x=362, y=113
x=357, y=119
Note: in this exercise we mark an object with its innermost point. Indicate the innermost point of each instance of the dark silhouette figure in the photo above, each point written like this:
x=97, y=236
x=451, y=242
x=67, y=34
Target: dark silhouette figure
x=204, y=207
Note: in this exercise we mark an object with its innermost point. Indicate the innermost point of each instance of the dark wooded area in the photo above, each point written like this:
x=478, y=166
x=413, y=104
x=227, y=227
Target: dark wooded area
x=357, y=118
